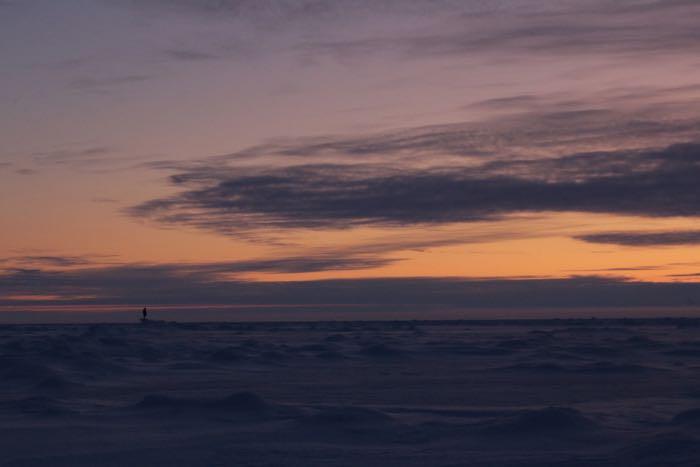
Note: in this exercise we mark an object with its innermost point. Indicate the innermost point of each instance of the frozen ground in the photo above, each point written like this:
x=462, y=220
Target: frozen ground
x=569, y=393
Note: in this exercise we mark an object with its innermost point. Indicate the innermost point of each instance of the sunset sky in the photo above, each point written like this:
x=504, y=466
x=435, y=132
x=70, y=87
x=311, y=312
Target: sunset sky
x=440, y=153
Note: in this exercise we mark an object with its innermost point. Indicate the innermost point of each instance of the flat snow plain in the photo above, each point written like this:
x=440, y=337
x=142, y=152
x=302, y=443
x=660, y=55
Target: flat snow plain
x=463, y=393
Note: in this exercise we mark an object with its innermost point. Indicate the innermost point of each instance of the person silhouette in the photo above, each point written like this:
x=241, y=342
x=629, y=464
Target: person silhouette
x=144, y=312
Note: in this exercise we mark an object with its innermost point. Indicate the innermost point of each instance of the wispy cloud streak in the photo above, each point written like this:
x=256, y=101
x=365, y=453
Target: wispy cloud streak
x=645, y=239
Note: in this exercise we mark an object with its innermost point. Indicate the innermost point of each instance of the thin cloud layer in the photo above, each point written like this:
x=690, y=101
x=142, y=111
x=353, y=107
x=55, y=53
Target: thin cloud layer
x=38, y=259
x=453, y=28
x=90, y=155
x=46, y=260
x=591, y=33
x=645, y=239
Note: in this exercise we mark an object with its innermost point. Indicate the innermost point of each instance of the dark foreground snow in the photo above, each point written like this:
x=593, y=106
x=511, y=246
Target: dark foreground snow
x=568, y=393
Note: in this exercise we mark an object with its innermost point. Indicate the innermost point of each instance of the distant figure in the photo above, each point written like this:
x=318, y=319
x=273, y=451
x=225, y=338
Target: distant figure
x=144, y=312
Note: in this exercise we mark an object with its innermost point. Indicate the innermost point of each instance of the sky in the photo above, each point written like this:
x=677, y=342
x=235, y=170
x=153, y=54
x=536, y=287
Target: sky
x=377, y=154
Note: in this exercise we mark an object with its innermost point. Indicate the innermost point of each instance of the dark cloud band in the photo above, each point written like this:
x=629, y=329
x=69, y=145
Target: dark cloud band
x=655, y=183
x=203, y=284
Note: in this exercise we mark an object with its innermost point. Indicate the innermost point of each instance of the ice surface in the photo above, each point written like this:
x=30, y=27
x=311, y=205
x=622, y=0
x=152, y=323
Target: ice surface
x=489, y=393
